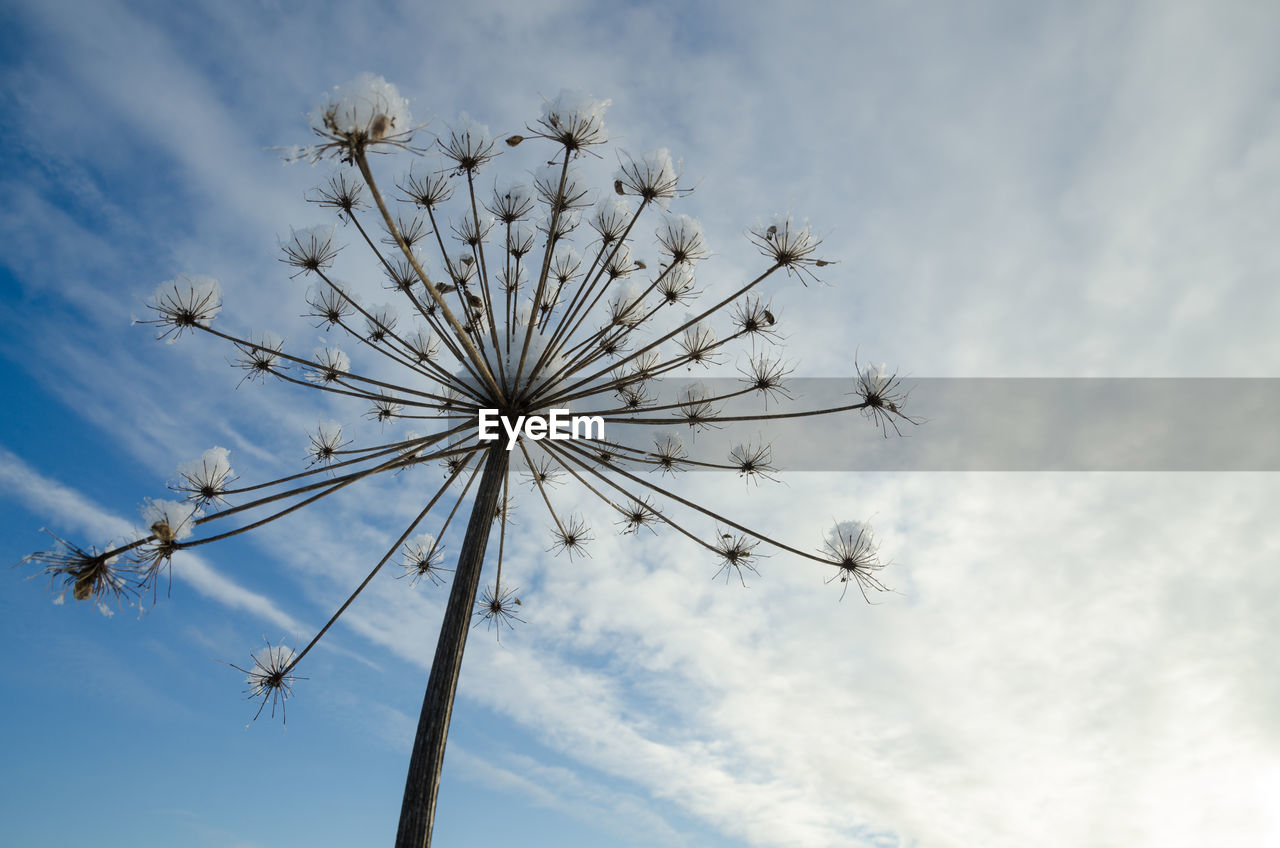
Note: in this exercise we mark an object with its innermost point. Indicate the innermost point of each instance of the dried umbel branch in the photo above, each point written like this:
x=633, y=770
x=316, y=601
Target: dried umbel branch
x=540, y=302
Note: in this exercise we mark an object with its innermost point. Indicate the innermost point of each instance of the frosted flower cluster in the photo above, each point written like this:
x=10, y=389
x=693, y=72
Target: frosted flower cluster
x=574, y=119
x=367, y=105
x=205, y=480
x=653, y=177
x=367, y=113
x=268, y=678
x=185, y=302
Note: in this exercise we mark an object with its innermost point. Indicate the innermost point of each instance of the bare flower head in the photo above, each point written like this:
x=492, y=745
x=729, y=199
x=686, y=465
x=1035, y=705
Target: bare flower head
x=574, y=119
x=205, y=480
x=260, y=357
x=342, y=193
x=543, y=472
x=505, y=509
x=384, y=410
x=269, y=678
x=424, y=345
x=365, y=115
x=610, y=218
x=767, y=376
x=682, y=240
x=753, y=462
x=560, y=188
x=788, y=244
x=852, y=549
x=169, y=522
x=310, y=249
x=620, y=264
x=884, y=397
x=670, y=453
x=468, y=144
x=677, y=287
x=736, y=553
x=521, y=236
x=401, y=274
x=411, y=229
x=753, y=318
x=643, y=367
x=516, y=277
x=474, y=230
x=626, y=306
x=633, y=397
x=652, y=177
x=380, y=322
x=565, y=266
x=464, y=271
x=639, y=513
x=329, y=305
x=428, y=191
x=511, y=203
x=497, y=607
x=699, y=344
x=90, y=574
x=572, y=536
x=185, y=302
x=325, y=443
x=330, y=366
x=423, y=557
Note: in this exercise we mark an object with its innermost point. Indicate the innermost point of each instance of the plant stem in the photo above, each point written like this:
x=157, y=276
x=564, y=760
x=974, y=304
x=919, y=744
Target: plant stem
x=417, y=812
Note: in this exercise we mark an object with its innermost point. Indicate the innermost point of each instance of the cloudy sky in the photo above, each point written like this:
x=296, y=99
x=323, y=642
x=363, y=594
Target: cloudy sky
x=1011, y=190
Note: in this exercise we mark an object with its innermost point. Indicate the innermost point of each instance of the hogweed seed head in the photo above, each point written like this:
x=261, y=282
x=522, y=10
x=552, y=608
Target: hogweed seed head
x=852, y=549
x=325, y=443
x=574, y=119
x=652, y=177
x=469, y=144
x=532, y=315
x=330, y=365
x=365, y=115
x=511, y=203
x=186, y=302
x=260, y=357
x=422, y=557
x=682, y=240
x=788, y=244
x=497, y=607
x=736, y=553
x=329, y=305
x=205, y=480
x=90, y=574
x=269, y=678
x=310, y=249
x=884, y=396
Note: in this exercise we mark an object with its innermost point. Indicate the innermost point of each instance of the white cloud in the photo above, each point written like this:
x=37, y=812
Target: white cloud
x=1068, y=668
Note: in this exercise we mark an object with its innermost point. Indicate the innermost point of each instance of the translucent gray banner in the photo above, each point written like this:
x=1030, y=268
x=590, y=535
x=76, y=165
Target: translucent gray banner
x=1175, y=424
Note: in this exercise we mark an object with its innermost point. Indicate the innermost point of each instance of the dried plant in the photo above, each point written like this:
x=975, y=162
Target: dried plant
x=541, y=304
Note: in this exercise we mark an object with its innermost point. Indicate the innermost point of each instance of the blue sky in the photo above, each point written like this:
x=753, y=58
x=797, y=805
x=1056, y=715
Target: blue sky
x=1012, y=190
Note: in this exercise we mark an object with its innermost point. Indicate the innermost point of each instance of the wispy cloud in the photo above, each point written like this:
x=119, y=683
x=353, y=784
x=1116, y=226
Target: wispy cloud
x=71, y=509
